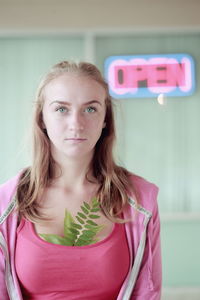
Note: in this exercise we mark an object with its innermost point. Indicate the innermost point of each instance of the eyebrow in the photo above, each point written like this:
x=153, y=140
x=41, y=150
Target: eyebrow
x=68, y=103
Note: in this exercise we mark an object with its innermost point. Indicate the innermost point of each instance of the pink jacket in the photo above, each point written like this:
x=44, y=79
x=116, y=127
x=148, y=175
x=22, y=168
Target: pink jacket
x=143, y=233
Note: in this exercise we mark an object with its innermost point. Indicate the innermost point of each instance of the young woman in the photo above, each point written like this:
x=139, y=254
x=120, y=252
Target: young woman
x=74, y=225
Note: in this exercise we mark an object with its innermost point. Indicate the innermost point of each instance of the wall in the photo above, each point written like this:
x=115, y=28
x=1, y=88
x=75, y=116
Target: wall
x=62, y=15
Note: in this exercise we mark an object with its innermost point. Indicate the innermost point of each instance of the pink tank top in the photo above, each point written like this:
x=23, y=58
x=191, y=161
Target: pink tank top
x=55, y=272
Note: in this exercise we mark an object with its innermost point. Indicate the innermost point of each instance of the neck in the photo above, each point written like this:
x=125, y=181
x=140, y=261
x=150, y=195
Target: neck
x=71, y=173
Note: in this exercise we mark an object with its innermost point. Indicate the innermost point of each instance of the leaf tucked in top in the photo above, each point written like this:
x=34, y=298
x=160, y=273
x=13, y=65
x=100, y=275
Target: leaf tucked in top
x=82, y=233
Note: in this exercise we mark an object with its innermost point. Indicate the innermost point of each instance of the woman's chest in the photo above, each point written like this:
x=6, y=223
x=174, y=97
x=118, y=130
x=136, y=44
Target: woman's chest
x=90, y=272
x=69, y=214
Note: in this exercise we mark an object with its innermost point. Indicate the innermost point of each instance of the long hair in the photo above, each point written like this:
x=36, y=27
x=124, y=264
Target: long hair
x=113, y=180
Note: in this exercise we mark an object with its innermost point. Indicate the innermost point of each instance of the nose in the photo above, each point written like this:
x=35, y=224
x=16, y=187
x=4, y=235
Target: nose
x=76, y=122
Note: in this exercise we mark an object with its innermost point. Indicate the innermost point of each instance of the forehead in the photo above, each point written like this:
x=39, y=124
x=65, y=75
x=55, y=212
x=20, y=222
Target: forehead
x=70, y=86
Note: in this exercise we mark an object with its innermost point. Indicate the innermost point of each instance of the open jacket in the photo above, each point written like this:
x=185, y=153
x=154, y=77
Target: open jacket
x=144, y=279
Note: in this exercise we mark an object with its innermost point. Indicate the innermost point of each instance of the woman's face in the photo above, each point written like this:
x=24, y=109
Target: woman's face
x=73, y=115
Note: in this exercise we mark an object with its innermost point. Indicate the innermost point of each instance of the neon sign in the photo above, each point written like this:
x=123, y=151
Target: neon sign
x=150, y=75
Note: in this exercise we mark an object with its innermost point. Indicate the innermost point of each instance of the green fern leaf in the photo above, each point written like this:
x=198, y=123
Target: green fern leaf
x=86, y=205
x=70, y=236
x=94, y=216
x=95, y=209
x=82, y=233
x=80, y=220
x=81, y=242
x=85, y=210
x=90, y=222
x=82, y=215
x=67, y=222
x=70, y=232
x=56, y=239
x=95, y=203
x=75, y=225
x=92, y=227
x=74, y=231
x=85, y=238
x=95, y=229
x=88, y=233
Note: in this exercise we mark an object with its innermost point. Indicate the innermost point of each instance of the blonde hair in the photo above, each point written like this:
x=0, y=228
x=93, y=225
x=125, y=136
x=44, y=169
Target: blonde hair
x=113, y=180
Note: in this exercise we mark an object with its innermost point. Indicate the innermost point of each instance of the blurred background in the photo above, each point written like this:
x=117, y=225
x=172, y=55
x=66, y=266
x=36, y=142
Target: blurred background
x=158, y=142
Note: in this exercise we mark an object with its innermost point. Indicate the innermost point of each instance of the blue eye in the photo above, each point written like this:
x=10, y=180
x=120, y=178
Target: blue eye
x=61, y=109
x=90, y=109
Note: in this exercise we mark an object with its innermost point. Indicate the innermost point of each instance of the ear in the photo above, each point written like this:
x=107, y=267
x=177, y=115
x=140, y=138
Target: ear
x=104, y=125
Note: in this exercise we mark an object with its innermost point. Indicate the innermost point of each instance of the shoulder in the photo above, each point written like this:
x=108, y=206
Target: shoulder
x=7, y=191
x=145, y=191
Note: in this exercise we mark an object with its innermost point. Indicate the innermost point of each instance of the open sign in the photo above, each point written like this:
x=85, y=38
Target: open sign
x=150, y=75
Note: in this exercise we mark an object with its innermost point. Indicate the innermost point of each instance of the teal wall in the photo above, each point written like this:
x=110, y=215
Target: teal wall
x=162, y=143
x=180, y=251
x=159, y=143
x=23, y=61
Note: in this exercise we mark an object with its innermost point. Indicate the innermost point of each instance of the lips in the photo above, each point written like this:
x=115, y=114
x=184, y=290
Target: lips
x=75, y=139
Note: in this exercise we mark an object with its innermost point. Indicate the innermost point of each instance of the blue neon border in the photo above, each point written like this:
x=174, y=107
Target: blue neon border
x=144, y=92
